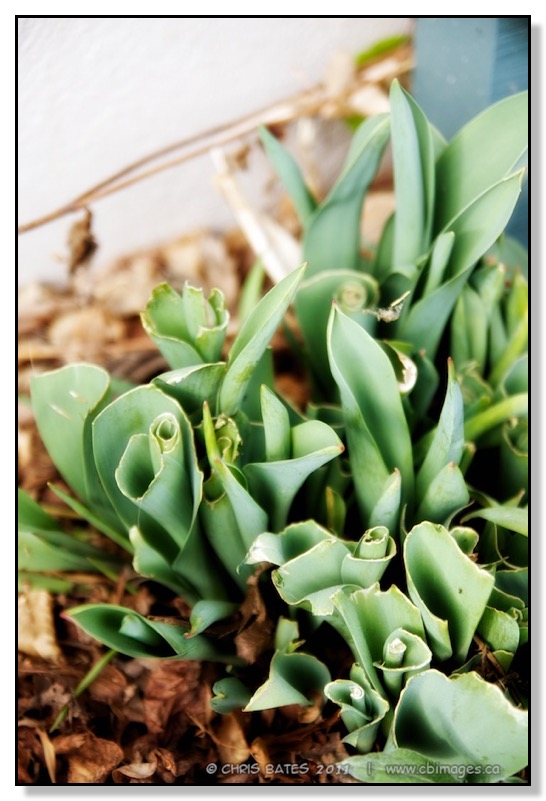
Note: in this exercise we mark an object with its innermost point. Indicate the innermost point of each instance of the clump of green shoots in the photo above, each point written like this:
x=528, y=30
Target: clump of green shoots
x=391, y=511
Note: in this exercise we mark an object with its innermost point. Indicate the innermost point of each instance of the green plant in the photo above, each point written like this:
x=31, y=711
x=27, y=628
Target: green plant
x=356, y=508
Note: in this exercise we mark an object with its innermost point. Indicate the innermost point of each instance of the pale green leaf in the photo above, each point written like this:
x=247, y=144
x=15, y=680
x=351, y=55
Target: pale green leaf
x=447, y=585
x=253, y=338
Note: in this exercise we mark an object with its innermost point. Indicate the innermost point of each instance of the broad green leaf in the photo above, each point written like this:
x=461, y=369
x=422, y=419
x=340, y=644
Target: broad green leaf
x=290, y=175
x=205, y=613
x=332, y=236
x=413, y=162
x=158, y=472
x=448, y=441
x=356, y=293
x=150, y=563
x=447, y=586
x=469, y=166
x=510, y=517
x=65, y=402
x=439, y=259
x=229, y=534
x=481, y=423
x=386, y=511
x=401, y=766
x=229, y=694
x=377, y=430
x=193, y=386
x=462, y=721
x=368, y=617
x=446, y=494
x=130, y=415
x=469, y=329
x=132, y=634
x=295, y=540
x=310, y=579
x=294, y=678
x=275, y=484
x=197, y=565
x=250, y=516
x=500, y=630
x=253, y=338
x=426, y=320
x=276, y=426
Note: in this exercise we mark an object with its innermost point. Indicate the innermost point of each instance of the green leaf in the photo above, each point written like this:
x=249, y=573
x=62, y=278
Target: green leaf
x=500, y=630
x=377, y=431
x=332, y=236
x=510, y=517
x=413, y=162
x=448, y=441
x=404, y=655
x=424, y=324
x=368, y=617
x=355, y=293
x=275, y=484
x=446, y=494
x=205, y=613
x=469, y=165
x=188, y=329
x=65, y=403
x=400, y=766
x=193, y=386
x=469, y=329
x=132, y=634
x=290, y=175
x=131, y=415
x=276, y=426
x=483, y=422
x=295, y=540
x=158, y=472
x=439, y=259
x=361, y=708
x=447, y=586
x=294, y=678
x=96, y=520
x=253, y=338
x=462, y=721
x=229, y=694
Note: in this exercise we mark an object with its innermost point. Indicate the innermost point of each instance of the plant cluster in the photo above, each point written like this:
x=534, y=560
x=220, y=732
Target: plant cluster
x=391, y=511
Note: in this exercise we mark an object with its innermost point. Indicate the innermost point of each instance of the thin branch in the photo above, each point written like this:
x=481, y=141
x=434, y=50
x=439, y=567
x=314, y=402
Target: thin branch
x=305, y=103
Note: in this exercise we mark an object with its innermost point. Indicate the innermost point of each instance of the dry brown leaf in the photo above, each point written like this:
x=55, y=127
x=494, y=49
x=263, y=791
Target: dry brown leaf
x=125, y=289
x=83, y=333
x=90, y=759
x=49, y=755
x=137, y=770
x=173, y=688
x=36, y=626
x=231, y=741
x=260, y=754
x=81, y=242
x=256, y=630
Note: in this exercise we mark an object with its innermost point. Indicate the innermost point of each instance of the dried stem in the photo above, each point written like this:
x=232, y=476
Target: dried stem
x=307, y=103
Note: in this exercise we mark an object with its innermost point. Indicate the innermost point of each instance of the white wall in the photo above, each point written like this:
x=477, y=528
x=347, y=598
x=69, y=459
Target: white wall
x=98, y=93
